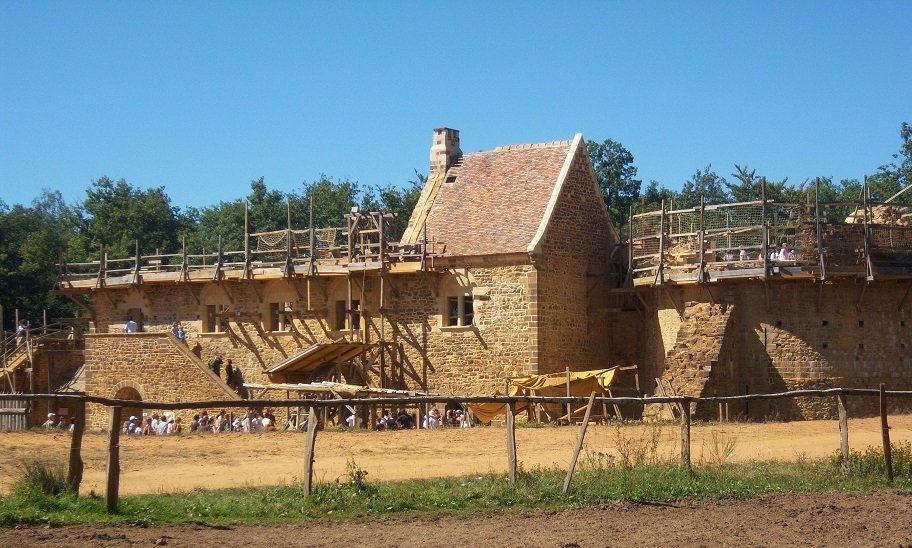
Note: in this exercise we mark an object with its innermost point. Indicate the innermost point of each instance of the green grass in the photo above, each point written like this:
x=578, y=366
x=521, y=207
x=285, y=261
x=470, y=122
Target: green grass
x=599, y=482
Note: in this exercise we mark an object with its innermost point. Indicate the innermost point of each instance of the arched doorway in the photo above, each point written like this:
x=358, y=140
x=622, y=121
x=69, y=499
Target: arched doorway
x=130, y=393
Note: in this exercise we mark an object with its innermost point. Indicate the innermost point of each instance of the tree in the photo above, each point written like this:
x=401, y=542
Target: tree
x=400, y=201
x=616, y=176
x=653, y=196
x=118, y=213
x=706, y=183
x=32, y=241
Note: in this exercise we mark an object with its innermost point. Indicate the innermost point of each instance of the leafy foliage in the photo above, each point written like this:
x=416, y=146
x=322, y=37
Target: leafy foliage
x=616, y=176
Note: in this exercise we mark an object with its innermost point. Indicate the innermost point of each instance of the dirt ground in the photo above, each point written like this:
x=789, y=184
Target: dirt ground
x=166, y=464
x=178, y=463
x=816, y=519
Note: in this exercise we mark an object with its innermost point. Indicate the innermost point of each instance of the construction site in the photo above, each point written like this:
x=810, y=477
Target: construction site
x=509, y=278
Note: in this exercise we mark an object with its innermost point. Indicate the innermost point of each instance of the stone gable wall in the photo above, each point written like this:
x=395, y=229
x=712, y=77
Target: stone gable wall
x=574, y=327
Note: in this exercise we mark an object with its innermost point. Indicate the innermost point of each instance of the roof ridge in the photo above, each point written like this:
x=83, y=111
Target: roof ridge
x=524, y=146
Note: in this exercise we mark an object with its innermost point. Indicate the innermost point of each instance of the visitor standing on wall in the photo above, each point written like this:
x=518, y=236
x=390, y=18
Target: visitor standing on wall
x=130, y=326
x=21, y=333
x=216, y=365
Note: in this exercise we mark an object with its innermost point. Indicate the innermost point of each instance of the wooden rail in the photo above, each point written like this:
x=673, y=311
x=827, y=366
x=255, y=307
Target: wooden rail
x=74, y=475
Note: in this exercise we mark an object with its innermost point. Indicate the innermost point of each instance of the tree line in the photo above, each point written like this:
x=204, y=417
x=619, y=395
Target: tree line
x=623, y=191
x=115, y=214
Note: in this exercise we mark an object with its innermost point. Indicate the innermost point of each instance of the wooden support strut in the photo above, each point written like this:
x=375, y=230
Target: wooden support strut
x=701, y=273
x=869, y=266
x=137, y=277
x=579, y=443
x=820, y=252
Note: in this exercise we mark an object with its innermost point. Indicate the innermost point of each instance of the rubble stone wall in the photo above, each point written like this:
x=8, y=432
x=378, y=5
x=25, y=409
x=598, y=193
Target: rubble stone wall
x=807, y=335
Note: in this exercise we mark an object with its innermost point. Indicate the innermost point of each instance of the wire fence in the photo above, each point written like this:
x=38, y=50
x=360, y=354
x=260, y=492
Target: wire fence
x=856, y=238
x=683, y=404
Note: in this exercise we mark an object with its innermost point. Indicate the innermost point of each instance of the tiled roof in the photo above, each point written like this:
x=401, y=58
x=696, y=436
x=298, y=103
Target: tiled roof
x=494, y=201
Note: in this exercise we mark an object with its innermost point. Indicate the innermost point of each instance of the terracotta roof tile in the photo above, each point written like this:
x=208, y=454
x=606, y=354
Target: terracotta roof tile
x=494, y=201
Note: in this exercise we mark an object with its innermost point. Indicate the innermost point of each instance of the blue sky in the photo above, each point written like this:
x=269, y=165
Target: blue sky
x=202, y=97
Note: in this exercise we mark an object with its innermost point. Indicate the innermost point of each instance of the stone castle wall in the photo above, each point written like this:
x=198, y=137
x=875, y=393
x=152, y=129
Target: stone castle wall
x=422, y=352
x=808, y=335
x=144, y=365
x=468, y=359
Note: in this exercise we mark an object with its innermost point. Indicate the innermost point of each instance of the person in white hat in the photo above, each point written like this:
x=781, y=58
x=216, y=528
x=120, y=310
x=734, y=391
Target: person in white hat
x=51, y=422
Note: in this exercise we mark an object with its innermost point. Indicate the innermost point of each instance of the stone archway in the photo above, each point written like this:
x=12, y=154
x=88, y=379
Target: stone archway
x=130, y=391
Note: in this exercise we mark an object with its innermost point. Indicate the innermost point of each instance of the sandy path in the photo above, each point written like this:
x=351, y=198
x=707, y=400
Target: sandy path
x=164, y=464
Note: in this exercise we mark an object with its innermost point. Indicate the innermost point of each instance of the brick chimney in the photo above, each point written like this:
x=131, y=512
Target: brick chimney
x=445, y=150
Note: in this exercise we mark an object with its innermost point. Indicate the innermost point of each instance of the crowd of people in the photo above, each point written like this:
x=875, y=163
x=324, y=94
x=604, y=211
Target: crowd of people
x=454, y=418
x=253, y=421
x=224, y=421
x=64, y=424
x=783, y=254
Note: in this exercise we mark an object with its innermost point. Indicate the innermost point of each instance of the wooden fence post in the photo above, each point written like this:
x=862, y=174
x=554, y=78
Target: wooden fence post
x=511, y=443
x=113, y=475
x=309, y=446
x=843, y=433
x=685, y=433
x=74, y=472
x=885, y=431
x=579, y=443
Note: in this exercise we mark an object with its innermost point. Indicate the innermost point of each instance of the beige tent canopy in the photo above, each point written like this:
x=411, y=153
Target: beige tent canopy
x=582, y=383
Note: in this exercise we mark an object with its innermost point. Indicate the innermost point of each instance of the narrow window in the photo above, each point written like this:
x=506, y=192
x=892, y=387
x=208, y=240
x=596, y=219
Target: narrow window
x=340, y=316
x=452, y=311
x=274, y=316
x=356, y=314
x=211, y=319
x=468, y=311
x=342, y=320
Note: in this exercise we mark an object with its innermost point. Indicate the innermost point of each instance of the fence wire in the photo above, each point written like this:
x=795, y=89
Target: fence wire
x=735, y=236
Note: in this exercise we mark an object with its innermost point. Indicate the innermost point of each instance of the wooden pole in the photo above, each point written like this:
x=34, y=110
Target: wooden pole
x=569, y=409
x=843, y=433
x=113, y=472
x=309, y=446
x=579, y=443
x=511, y=444
x=885, y=431
x=685, y=433
x=74, y=473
